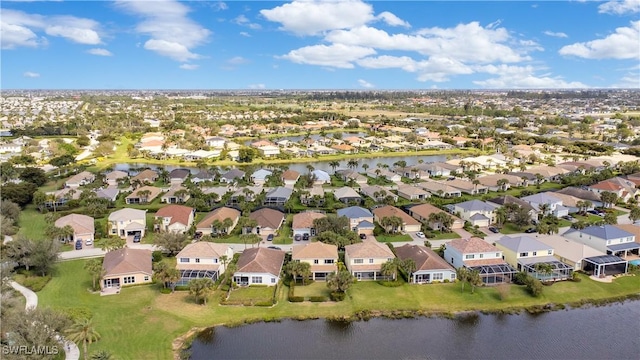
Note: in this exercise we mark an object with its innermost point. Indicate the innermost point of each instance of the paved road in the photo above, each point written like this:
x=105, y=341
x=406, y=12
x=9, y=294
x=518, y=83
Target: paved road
x=70, y=348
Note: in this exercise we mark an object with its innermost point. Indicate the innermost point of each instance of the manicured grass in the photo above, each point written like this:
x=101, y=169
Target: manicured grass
x=393, y=238
x=285, y=233
x=510, y=228
x=252, y=294
x=318, y=288
x=32, y=223
x=590, y=218
x=439, y=235
x=141, y=323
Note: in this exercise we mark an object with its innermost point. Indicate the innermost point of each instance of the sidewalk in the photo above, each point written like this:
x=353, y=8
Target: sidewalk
x=70, y=348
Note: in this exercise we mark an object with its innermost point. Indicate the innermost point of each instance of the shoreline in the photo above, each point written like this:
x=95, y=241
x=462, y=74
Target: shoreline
x=182, y=343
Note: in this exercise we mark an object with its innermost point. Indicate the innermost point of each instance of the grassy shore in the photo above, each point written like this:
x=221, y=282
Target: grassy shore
x=141, y=323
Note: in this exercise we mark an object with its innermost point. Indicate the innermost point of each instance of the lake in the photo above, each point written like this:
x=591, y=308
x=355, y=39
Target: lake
x=319, y=165
x=605, y=332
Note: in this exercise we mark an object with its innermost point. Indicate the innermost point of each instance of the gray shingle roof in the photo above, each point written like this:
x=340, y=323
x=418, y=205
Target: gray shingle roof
x=522, y=243
x=476, y=205
x=354, y=212
x=606, y=232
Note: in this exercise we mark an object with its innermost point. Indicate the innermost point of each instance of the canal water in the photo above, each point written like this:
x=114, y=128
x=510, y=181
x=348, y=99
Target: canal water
x=605, y=332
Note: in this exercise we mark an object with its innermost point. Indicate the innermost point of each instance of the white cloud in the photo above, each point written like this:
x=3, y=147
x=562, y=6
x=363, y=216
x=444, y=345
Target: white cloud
x=244, y=21
x=391, y=19
x=256, y=86
x=314, y=17
x=219, y=6
x=19, y=29
x=522, y=77
x=189, y=66
x=237, y=60
x=623, y=44
x=31, y=74
x=365, y=84
x=631, y=80
x=556, y=34
x=245, y=34
x=620, y=7
x=438, y=69
x=173, y=34
x=100, y=52
x=336, y=55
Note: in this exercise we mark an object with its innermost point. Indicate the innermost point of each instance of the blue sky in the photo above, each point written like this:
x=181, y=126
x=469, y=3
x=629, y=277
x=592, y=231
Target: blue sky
x=310, y=44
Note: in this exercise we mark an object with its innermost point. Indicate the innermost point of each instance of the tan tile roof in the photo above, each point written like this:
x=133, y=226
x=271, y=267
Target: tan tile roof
x=127, y=261
x=368, y=249
x=203, y=249
x=472, y=245
x=218, y=214
x=314, y=250
x=634, y=229
x=155, y=191
x=305, y=220
x=146, y=174
x=177, y=213
x=267, y=218
x=388, y=211
x=81, y=224
x=290, y=175
x=424, y=210
x=425, y=258
x=606, y=185
x=261, y=260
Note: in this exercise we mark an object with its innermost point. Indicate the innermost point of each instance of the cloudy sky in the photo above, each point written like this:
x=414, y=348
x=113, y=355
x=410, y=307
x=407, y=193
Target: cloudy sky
x=309, y=44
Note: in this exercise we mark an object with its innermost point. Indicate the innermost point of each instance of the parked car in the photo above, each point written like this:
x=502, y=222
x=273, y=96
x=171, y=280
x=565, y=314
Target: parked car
x=494, y=229
x=297, y=237
x=274, y=248
x=530, y=230
x=420, y=234
x=136, y=238
x=89, y=242
x=305, y=237
x=568, y=217
x=593, y=211
x=363, y=236
x=196, y=236
x=270, y=237
x=78, y=244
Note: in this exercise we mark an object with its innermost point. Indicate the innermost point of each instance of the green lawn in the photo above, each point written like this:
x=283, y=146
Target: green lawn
x=285, y=233
x=252, y=294
x=590, y=218
x=32, y=223
x=510, y=228
x=318, y=288
x=393, y=238
x=141, y=323
x=439, y=235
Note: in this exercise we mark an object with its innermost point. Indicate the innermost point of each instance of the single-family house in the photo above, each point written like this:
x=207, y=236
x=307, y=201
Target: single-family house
x=202, y=259
x=467, y=186
x=110, y=193
x=377, y=193
x=269, y=221
x=126, y=266
x=177, y=194
x=352, y=175
x=178, y=176
x=219, y=221
x=476, y=212
x=411, y=172
x=322, y=257
x=321, y=177
x=127, y=223
x=278, y=196
x=409, y=224
x=529, y=255
x=423, y=211
x=384, y=173
x=113, y=177
x=259, y=266
x=82, y=178
x=436, y=169
x=146, y=176
x=572, y=203
x=440, y=189
x=413, y=193
x=476, y=254
x=509, y=199
x=553, y=204
x=430, y=267
x=215, y=142
x=174, y=218
x=500, y=182
x=364, y=260
x=347, y=195
x=143, y=195
x=203, y=176
x=260, y=176
x=290, y=177
x=269, y=151
x=303, y=223
x=609, y=239
x=312, y=197
x=360, y=219
x=568, y=251
x=82, y=225
x=232, y=176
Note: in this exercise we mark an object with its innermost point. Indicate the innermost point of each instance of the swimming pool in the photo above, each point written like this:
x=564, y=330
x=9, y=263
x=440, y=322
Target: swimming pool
x=635, y=262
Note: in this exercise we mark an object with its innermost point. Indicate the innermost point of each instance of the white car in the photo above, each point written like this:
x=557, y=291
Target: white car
x=89, y=242
x=420, y=234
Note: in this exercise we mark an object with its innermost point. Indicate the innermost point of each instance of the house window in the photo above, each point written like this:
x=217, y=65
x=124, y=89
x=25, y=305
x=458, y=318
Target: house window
x=437, y=276
x=453, y=276
x=316, y=261
x=184, y=260
x=113, y=231
x=273, y=280
x=535, y=253
x=197, y=261
x=129, y=279
x=469, y=256
x=215, y=261
x=370, y=261
x=524, y=254
x=358, y=261
x=256, y=279
x=497, y=255
x=328, y=261
x=549, y=252
x=481, y=256
x=146, y=278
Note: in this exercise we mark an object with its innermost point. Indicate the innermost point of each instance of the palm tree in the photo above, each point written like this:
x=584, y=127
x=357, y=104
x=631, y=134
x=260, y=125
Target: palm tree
x=200, y=288
x=474, y=279
x=144, y=195
x=352, y=163
x=390, y=268
x=334, y=165
x=462, y=274
x=408, y=266
x=82, y=331
x=544, y=209
x=94, y=267
x=634, y=214
x=365, y=167
x=101, y=355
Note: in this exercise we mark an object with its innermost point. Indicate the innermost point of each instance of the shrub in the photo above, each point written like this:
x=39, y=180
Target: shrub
x=575, y=277
x=337, y=296
x=77, y=313
x=446, y=281
x=165, y=291
x=264, y=303
x=520, y=278
x=427, y=243
x=503, y=291
x=35, y=283
x=296, y=298
x=318, y=298
x=534, y=286
x=157, y=256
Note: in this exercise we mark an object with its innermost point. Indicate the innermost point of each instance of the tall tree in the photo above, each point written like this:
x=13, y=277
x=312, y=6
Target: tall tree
x=340, y=281
x=462, y=274
x=171, y=242
x=94, y=267
x=200, y=288
x=83, y=331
